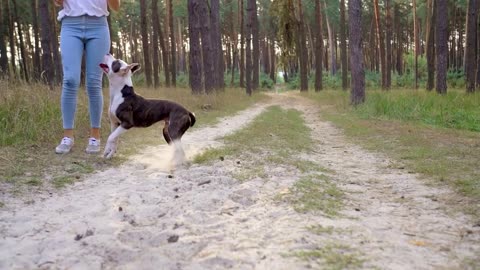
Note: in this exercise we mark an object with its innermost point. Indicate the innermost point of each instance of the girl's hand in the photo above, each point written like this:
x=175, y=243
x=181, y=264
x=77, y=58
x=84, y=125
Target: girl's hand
x=58, y=3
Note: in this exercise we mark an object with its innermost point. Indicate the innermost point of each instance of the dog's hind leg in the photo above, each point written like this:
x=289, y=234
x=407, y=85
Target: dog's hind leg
x=165, y=133
x=176, y=129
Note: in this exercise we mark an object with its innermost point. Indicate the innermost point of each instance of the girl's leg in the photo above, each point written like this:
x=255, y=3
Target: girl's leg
x=96, y=47
x=71, y=46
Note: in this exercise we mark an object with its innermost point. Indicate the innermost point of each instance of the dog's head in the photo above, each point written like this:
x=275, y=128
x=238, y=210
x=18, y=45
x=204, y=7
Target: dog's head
x=116, y=69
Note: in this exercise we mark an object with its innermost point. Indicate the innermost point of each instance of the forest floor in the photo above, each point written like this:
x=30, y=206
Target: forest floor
x=142, y=216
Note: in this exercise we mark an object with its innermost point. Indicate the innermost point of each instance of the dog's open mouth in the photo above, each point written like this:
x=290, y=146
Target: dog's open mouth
x=104, y=67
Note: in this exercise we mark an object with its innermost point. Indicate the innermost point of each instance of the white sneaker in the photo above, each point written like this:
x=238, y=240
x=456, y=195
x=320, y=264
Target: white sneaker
x=65, y=146
x=93, y=146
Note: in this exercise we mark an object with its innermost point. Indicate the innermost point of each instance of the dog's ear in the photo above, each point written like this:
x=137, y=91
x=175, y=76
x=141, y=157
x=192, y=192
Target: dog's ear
x=134, y=67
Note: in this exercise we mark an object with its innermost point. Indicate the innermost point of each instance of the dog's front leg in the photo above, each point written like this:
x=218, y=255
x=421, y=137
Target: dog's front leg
x=111, y=146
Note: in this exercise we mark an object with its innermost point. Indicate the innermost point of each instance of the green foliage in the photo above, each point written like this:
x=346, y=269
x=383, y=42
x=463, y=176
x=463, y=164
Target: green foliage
x=454, y=110
x=409, y=60
x=24, y=113
x=183, y=80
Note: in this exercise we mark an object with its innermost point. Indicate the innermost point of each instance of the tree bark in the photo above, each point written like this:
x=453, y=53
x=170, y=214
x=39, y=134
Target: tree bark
x=343, y=46
x=195, y=61
x=155, y=23
x=3, y=46
x=388, y=37
x=242, y=42
x=273, y=73
x=373, y=47
x=22, y=43
x=255, y=47
x=36, y=53
x=11, y=36
x=207, y=47
x=356, y=55
x=173, y=48
x=478, y=48
x=248, y=56
x=441, y=36
x=303, y=50
x=146, y=52
x=470, y=49
x=331, y=45
x=399, y=55
x=58, y=71
x=430, y=43
x=319, y=47
x=45, y=41
x=158, y=29
x=416, y=40
x=217, y=44
x=383, y=67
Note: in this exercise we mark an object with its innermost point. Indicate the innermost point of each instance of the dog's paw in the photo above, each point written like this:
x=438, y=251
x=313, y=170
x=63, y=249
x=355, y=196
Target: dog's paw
x=110, y=150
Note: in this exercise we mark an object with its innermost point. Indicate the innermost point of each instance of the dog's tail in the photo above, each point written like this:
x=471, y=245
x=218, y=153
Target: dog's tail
x=192, y=118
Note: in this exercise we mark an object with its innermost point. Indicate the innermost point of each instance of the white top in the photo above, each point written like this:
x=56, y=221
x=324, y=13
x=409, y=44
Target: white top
x=75, y=8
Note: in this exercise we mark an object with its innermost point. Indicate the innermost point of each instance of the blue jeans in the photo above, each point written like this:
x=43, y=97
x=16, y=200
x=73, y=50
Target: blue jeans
x=78, y=35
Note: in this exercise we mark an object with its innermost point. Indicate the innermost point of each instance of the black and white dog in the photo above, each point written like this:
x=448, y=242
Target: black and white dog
x=127, y=109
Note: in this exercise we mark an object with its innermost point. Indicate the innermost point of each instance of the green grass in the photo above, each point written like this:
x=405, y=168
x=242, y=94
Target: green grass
x=424, y=131
x=454, y=110
x=276, y=138
x=282, y=132
x=332, y=257
x=62, y=181
x=318, y=194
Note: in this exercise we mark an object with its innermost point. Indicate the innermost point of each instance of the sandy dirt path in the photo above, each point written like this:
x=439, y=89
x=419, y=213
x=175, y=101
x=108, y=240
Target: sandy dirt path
x=138, y=216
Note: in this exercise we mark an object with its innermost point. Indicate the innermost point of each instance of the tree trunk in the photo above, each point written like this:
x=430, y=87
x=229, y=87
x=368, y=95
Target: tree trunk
x=234, y=41
x=3, y=46
x=58, y=71
x=22, y=43
x=173, y=48
x=45, y=40
x=36, y=53
x=146, y=52
x=155, y=28
x=303, y=50
x=470, y=49
x=373, y=48
x=273, y=73
x=388, y=36
x=248, y=56
x=416, y=40
x=441, y=36
x=478, y=49
x=11, y=36
x=430, y=40
x=207, y=47
x=319, y=47
x=356, y=55
x=331, y=45
x=216, y=44
x=195, y=61
x=383, y=67
x=399, y=55
x=161, y=39
x=242, y=41
x=255, y=47
x=343, y=45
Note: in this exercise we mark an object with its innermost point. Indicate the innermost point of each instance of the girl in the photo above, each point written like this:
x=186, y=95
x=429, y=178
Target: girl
x=84, y=29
